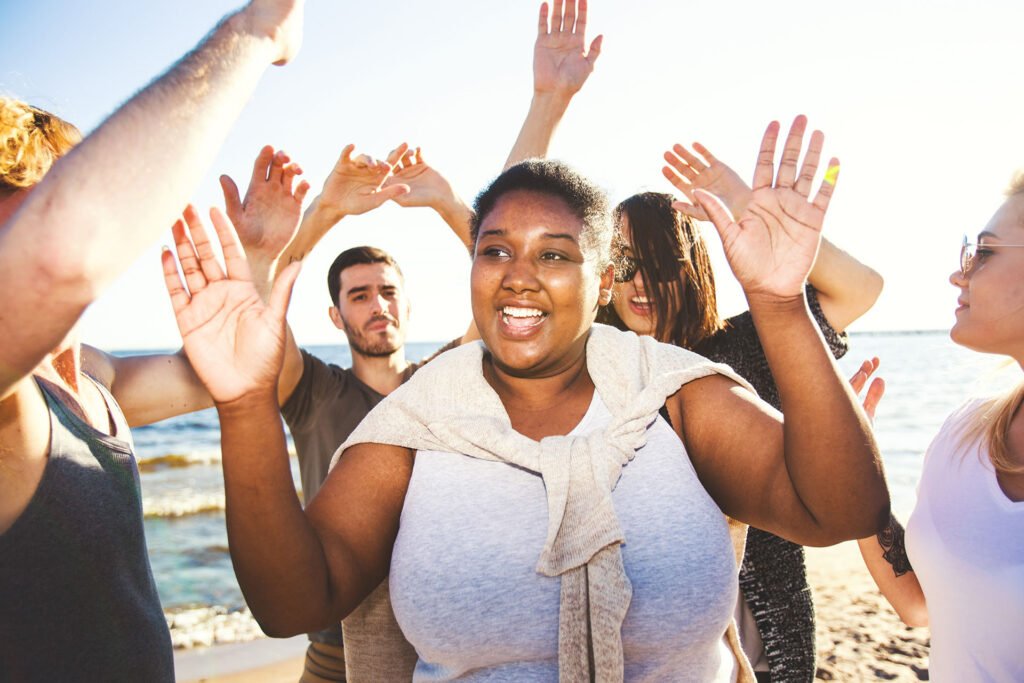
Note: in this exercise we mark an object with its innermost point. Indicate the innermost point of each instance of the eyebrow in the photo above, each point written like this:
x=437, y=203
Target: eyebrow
x=501, y=232
x=987, y=233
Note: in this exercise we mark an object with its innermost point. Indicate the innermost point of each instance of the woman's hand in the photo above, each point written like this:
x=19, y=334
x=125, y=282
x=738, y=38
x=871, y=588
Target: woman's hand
x=561, y=62
x=234, y=341
x=771, y=246
x=357, y=185
x=687, y=172
x=875, y=391
x=426, y=186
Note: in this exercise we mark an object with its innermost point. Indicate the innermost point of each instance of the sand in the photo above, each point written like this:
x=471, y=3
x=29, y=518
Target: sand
x=860, y=638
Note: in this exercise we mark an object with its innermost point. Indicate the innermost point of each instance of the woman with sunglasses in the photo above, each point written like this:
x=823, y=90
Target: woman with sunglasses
x=960, y=569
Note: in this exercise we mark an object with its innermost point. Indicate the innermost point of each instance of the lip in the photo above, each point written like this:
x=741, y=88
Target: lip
x=643, y=310
x=962, y=305
x=520, y=332
x=378, y=325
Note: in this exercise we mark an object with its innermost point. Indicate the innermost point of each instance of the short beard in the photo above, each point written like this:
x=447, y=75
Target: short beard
x=359, y=344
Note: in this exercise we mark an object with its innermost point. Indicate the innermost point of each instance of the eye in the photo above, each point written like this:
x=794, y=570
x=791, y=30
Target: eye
x=495, y=252
x=982, y=253
x=553, y=256
x=359, y=297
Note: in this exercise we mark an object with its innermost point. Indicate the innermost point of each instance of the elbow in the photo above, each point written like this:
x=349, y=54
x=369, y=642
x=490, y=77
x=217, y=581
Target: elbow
x=915, y=616
x=871, y=518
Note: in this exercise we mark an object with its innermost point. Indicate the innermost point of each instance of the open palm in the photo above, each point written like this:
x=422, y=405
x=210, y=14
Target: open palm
x=772, y=245
x=233, y=340
x=561, y=61
x=688, y=172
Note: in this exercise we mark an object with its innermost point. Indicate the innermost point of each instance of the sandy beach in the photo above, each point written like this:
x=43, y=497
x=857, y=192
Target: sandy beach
x=860, y=638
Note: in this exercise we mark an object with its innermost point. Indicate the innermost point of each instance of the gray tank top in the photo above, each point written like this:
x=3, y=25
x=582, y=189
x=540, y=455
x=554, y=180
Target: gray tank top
x=467, y=595
x=77, y=596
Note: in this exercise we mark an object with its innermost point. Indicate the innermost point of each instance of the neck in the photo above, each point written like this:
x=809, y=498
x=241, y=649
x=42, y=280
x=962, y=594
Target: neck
x=383, y=374
x=538, y=393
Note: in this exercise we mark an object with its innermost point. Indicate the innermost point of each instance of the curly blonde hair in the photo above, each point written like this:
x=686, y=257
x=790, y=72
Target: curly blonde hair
x=31, y=140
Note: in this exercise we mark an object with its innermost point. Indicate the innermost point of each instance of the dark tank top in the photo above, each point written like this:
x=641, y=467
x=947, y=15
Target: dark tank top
x=77, y=596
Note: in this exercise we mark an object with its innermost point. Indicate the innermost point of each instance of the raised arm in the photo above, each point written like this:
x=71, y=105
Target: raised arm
x=427, y=187
x=104, y=203
x=814, y=478
x=297, y=576
x=885, y=554
x=847, y=288
x=561, y=65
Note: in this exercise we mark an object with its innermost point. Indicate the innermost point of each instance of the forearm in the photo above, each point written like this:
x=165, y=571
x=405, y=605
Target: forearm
x=459, y=217
x=317, y=221
x=847, y=288
x=830, y=454
x=886, y=559
x=546, y=112
x=277, y=556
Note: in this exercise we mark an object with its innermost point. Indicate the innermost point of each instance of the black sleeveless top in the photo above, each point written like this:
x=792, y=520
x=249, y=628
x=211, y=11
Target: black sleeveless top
x=77, y=596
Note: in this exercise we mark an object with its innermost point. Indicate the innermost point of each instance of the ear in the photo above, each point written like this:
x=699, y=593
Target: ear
x=607, y=282
x=335, y=316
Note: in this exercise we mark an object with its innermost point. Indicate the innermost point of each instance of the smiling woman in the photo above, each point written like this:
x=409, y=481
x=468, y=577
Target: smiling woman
x=546, y=436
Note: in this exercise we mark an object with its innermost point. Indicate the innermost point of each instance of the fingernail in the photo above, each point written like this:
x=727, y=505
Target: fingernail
x=831, y=174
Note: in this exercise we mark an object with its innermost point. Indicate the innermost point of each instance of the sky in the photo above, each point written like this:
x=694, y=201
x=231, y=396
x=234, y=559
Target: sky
x=921, y=102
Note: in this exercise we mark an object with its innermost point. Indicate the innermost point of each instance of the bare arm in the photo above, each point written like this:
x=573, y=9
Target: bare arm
x=885, y=554
x=298, y=572
x=847, y=288
x=105, y=202
x=815, y=478
x=561, y=65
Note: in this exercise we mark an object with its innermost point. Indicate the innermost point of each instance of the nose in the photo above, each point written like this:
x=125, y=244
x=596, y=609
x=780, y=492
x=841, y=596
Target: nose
x=957, y=279
x=380, y=304
x=520, y=275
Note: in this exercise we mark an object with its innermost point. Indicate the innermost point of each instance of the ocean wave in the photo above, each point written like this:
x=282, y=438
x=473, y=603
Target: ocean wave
x=183, y=504
x=211, y=625
x=178, y=460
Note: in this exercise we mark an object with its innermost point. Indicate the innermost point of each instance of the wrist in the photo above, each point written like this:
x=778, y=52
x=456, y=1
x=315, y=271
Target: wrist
x=244, y=26
x=250, y=405
x=775, y=305
x=551, y=100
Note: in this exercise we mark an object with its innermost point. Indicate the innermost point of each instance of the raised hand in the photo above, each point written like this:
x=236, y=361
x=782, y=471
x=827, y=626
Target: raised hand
x=234, y=341
x=687, y=172
x=875, y=391
x=772, y=245
x=356, y=184
x=427, y=187
x=266, y=220
x=278, y=20
x=561, y=61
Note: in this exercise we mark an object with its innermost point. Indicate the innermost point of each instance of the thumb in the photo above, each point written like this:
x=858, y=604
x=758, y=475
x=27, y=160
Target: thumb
x=690, y=210
x=715, y=210
x=392, y=192
x=232, y=200
x=595, y=50
x=281, y=293
x=874, y=397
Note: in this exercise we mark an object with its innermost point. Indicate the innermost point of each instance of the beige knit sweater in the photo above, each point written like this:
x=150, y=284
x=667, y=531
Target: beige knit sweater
x=448, y=406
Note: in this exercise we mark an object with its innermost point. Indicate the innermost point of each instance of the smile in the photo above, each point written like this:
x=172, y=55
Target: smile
x=519, y=321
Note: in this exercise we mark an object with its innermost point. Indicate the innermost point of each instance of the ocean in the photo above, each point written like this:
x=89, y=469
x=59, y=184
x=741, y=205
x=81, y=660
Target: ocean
x=927, y=376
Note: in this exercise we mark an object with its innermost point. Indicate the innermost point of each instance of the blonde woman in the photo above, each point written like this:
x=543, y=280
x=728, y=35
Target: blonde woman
x=962, y=573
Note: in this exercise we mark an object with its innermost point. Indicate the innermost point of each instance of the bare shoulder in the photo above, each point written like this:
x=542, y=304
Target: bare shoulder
x=375, y=474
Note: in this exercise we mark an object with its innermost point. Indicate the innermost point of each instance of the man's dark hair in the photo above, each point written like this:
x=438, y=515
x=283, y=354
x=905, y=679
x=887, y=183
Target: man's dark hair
x=354, y=257
x=557, y=179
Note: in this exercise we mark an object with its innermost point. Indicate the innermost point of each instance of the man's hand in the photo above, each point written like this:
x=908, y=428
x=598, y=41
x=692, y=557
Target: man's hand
x=875, y=391
x=427, y=187
x=561, y=62
x=266, y=220
x=280, y=21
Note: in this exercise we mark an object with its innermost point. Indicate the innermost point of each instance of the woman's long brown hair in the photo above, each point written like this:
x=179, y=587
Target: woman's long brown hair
x=675, y=267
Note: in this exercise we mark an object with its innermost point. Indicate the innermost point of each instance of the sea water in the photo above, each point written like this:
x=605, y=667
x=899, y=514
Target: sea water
x=926, y=375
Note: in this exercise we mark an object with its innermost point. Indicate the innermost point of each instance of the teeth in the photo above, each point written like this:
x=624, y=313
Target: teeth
x=640, y=300
x=514, y=312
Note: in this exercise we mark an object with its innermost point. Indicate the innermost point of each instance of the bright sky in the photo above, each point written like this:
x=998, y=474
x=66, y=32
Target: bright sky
x=921, y=101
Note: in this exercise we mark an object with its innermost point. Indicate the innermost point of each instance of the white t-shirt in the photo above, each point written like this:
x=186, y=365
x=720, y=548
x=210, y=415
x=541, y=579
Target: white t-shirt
x=965, y=540
x=467, y=594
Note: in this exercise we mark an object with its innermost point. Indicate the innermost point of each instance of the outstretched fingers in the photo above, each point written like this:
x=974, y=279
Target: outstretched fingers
x=810, y=165
x=791, y=153
x=569, y=20
x=194, y=278
x=542, y=22
x=556, y=17
x=261, y=167
x=828, y=185
x=234, y=258
x=203, y=248
x=172, y=280
x=232, y=198
x=717, y=214
x=764, y=171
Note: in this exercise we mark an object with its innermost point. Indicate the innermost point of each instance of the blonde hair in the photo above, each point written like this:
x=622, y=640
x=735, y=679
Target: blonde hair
x=31, y=140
